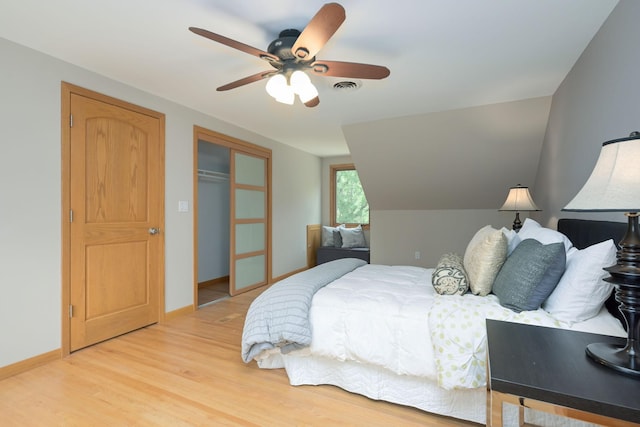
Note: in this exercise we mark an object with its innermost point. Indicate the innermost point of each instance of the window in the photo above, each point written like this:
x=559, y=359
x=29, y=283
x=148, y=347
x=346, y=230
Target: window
x=348, y=202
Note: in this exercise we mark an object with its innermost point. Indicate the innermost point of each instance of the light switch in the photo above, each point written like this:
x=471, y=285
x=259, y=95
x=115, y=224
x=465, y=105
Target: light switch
x=183, y=206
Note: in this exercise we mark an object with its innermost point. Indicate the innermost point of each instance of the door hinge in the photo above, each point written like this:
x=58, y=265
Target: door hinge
x=70, y=311
x=70, y=215
x=70, y=120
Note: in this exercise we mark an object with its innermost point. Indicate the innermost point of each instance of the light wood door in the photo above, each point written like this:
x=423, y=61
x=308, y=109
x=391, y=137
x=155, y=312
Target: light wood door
x=116, y=198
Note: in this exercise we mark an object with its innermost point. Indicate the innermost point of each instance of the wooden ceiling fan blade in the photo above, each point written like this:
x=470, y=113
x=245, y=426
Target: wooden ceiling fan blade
x=350, y=69
x=235, y=44
x=245, y=81
x=319, y=30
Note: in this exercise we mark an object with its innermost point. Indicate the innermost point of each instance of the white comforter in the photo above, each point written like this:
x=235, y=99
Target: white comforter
x=390, y=316
x=377, y=315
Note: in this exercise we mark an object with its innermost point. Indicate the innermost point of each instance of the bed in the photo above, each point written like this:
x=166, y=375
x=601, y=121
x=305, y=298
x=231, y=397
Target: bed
x=390, y=333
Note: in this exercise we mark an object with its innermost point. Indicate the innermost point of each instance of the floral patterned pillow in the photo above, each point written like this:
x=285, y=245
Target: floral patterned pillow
x=449, y=277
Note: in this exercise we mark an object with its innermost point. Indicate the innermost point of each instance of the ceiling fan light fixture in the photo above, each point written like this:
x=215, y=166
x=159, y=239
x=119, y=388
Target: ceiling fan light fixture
x=278, y=88
x=301, y=84
x=308, y=94
x=287, y=98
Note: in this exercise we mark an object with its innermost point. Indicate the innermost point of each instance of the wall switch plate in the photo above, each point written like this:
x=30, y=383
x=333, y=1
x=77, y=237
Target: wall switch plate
x=183, y=206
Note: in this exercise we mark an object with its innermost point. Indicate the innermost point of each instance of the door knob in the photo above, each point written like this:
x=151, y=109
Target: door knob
x=154, y=230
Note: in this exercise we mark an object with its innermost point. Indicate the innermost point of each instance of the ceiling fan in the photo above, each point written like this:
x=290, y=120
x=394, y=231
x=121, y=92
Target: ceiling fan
x=293, y=55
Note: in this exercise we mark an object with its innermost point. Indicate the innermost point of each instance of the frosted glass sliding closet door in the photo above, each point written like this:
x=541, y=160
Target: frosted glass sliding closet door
x=249, y=221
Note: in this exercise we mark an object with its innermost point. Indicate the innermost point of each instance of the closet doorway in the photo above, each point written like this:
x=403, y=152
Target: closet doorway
x=213, y=222
x=232, y=220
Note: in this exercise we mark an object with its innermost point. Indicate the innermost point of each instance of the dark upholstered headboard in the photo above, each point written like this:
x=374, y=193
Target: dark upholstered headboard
x=584, y=233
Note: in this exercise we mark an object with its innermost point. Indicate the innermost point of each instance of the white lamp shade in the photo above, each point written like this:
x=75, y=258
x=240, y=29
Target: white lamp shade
x=519, y=199
x=614, y=184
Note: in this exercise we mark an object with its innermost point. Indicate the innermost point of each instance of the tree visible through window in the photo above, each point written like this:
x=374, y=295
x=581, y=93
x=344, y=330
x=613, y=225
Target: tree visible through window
x=349, y=203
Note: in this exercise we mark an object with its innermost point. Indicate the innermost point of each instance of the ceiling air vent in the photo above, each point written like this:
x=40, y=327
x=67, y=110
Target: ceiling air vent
x=346, y=85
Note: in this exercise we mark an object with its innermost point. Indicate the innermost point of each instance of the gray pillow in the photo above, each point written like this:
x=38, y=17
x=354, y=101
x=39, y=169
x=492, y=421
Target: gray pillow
x=449, y=277
x=353, y=237
x=337, y=239
x=529, y=275
x=328, y=235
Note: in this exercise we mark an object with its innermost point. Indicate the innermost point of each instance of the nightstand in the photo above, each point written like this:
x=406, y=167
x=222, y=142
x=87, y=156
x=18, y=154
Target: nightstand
x=547, y=369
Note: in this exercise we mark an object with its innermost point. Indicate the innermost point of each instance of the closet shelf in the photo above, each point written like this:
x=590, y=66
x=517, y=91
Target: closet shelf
x=212, y=176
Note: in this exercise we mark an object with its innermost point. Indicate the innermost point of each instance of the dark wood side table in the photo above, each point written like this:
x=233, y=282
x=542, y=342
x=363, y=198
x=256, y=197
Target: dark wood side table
x=547, y=369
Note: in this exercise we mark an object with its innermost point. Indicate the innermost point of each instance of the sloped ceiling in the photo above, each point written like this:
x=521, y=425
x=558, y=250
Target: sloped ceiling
x=459, y=159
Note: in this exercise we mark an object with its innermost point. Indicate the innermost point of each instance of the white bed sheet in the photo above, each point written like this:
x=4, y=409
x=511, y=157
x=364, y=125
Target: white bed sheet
x=418, y=392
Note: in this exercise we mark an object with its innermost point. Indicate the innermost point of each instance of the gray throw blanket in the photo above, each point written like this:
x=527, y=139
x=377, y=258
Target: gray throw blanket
x=279, y=317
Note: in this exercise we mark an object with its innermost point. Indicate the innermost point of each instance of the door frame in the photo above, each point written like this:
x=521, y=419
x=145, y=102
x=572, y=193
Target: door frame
x=66, y=90
x=203, y=134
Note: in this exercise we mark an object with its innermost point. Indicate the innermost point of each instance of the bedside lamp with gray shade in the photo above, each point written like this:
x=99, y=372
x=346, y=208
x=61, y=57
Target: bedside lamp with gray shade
x=519, y=200
x=614, y=186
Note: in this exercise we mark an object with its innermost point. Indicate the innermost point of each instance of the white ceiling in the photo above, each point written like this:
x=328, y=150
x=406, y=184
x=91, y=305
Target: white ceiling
x=443, y=54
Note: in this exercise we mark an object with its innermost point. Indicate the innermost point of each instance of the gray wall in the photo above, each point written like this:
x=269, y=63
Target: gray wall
x=597, y=102
x=433, y=180
x=457, y=159
x=30, y=208
x=397, y=235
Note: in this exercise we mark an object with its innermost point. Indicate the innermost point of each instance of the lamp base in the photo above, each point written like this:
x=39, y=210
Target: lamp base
x=517, y=224
x=615, y=357
x=625, y=276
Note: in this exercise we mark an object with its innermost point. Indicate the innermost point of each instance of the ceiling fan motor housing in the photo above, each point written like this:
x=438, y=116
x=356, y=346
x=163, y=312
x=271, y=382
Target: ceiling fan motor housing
x=281, y=47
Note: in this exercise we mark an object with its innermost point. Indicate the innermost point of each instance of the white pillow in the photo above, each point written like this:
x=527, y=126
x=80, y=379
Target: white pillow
x=532, y=230
x=353, y=237
x=485, y=254
x=581, y=290
x=512, y=239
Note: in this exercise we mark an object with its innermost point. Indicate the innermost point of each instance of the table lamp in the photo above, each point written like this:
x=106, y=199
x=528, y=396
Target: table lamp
x=614, y=186
x=519, y=200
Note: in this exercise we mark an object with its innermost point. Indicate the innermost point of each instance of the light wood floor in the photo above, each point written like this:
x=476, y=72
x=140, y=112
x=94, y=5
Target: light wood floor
x=186, y=372
x=207, y=294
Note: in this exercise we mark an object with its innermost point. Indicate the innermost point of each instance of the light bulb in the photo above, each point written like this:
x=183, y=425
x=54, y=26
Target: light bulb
x=276, y=85
x=309, y=93
x=301, y=84
x=278, y=88
x=287, y=96
x=299, y=81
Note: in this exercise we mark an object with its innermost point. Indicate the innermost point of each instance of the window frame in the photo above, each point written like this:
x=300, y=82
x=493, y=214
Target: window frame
x=332, y=194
